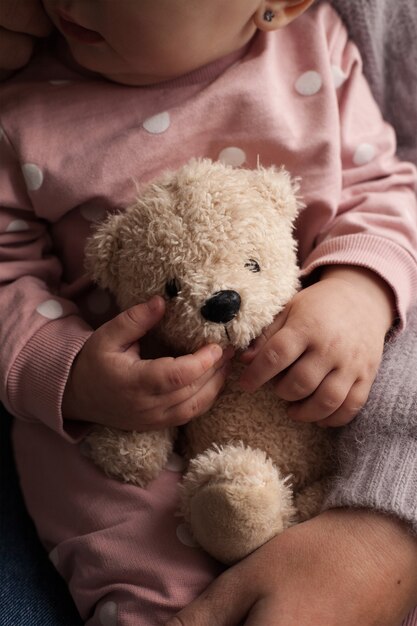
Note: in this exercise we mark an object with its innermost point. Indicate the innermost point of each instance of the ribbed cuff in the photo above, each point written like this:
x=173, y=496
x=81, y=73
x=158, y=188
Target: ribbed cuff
x=380, y=475
x=385, y=258
x=38, y=377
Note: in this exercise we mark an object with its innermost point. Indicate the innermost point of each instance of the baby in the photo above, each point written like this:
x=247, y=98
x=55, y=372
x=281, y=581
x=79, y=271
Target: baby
x=133, y=88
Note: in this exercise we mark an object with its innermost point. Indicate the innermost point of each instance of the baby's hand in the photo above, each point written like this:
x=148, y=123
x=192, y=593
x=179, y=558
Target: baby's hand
x=111, y=384
x=325, y=347
x=21, y=21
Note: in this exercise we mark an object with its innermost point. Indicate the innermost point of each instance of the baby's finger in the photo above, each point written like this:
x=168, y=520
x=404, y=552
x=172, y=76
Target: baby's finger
x=353, y=403
x=166, y=375
x=250, y=353
x=302, y=378
x=328, y=398
x=164, y=400
x=198, y=403
x=277, y=354
x=119, y=333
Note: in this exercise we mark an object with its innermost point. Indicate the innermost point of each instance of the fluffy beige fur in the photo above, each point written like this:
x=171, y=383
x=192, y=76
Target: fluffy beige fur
x=252, y=471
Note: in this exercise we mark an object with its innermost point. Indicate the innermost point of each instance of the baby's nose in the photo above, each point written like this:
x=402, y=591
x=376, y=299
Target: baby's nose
x=221, y=307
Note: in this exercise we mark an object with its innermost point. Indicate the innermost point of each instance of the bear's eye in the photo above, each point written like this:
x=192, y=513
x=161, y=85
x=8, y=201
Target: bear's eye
x=253, y=266
x=172, y=288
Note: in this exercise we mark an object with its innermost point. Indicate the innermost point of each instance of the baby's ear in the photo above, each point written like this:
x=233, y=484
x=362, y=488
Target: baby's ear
x=277, y=186
x=274, y=14
x=102, y=252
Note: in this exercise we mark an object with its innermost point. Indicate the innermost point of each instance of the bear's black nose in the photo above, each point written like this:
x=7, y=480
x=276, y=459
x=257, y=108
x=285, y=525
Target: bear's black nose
x=222, y=307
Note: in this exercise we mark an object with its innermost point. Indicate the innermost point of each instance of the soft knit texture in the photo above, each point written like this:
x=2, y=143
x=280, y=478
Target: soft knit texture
x=378, y=450
x=378, y=466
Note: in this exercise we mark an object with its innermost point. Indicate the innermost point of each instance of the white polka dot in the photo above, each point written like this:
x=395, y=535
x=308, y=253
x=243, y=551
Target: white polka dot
x=108, y=614
x=16, y=226
x=50, y=309
x=185, y=536
x=54, y=557
x=364, y=153
x=93, y=213
x=339, y=77
x=33, y=176
x=309, y=83
x=60, y=81
x=232, y=156
x=98, y=302
x=410, y=217
x=176, y=463
x=157, y=123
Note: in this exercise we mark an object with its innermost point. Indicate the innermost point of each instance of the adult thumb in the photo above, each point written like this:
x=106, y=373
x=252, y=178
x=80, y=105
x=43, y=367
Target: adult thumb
x=132, y=324
x=227, y=600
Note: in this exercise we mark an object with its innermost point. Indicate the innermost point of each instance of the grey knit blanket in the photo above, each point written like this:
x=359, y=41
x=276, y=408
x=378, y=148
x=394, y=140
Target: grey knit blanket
x=386, y=33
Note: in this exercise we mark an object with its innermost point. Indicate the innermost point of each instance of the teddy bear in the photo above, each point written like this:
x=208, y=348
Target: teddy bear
x=217, y=243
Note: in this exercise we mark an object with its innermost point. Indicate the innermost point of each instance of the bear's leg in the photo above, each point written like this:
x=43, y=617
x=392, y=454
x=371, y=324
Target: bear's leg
x=235, y=500
x=129, y=456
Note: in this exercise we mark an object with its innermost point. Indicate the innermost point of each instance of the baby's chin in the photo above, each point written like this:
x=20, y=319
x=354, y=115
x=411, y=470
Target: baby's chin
x=79, y=64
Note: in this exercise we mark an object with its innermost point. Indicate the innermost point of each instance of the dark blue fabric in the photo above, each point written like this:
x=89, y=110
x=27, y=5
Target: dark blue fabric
x=31, y=592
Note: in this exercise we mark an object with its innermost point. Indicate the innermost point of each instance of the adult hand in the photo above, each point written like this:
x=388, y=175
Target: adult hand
x=21, y=22
x=341, y=568
x=111, y=384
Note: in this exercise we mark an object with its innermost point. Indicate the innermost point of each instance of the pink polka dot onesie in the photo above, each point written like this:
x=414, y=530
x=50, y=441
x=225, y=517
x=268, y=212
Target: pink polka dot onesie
x=70, y=148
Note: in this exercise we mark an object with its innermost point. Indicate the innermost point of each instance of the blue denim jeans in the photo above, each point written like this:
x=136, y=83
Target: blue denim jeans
x=31, y=591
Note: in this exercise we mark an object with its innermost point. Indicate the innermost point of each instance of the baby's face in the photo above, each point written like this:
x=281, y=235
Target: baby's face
x=142, y=42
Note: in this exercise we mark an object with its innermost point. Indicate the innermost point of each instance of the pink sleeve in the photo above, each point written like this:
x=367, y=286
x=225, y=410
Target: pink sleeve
x=40, y=333
x=375, y=225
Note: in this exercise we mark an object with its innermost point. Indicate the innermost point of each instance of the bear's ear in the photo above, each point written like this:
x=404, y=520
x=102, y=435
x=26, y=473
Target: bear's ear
x=102, y=252
x=277, y=186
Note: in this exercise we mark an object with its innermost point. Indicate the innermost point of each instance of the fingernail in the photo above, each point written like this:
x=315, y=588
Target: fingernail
x=247, y=354
x=253, y=346
x=155, y=303
x=216, y=352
